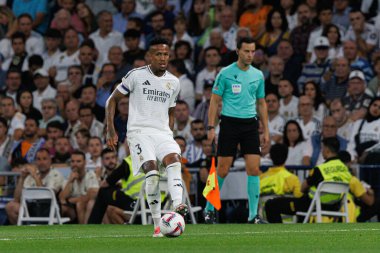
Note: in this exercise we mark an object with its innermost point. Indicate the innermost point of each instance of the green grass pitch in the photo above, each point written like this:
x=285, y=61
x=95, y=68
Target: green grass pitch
x=196, y=238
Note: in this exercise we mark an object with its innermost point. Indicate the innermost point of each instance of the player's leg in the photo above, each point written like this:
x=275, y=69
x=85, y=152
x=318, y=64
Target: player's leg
x=103, y=199
x=275, y=207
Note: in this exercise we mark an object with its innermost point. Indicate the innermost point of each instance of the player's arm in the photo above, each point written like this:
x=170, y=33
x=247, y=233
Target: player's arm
x=111, y=103
x=263, y=114
x=171, y=118
x=212, y=115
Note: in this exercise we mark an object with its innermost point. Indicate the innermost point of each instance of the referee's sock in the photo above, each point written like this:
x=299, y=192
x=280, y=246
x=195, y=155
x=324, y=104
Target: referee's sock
x=253, y=189
x=209, y=207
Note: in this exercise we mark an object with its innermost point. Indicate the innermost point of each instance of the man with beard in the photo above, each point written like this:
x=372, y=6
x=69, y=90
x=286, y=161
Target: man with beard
x=113, y=200
x=62, y=148
x=194, y=150
x=26, y=150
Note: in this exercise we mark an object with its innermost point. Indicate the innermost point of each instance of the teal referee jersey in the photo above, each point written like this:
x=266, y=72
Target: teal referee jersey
x=239, y=90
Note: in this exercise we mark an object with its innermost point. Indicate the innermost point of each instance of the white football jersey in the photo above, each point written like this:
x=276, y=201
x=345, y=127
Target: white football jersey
x=149, y=100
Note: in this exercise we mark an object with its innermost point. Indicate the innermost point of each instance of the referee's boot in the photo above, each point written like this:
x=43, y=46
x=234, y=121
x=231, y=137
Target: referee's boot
x=182, y=209
x=257, y=220
x=210, y=217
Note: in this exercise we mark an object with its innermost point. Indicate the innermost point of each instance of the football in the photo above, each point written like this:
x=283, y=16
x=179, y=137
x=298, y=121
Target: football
x=172, y=224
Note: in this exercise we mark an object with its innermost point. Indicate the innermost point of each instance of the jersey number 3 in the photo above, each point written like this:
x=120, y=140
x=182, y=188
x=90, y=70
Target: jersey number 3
x=138, y=149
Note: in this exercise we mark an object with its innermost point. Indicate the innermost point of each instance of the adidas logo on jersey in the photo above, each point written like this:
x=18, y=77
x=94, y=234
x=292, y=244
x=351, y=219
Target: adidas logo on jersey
x=146, y=83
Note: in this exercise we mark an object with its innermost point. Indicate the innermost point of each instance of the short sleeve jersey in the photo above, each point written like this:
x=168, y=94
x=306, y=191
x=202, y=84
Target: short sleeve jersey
x=239, y=90
x=149, y=100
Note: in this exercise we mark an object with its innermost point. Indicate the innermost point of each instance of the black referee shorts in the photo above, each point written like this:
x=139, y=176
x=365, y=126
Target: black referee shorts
x=234, y=131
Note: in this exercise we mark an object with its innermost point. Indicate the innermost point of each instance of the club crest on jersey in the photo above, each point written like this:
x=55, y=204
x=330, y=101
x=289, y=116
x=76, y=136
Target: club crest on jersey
x=236, y=88
x=169, y=86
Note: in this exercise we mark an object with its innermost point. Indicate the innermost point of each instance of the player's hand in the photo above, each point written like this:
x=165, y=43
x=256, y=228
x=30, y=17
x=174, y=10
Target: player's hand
x=112, y=138
x=265, y=139
x=211, y=135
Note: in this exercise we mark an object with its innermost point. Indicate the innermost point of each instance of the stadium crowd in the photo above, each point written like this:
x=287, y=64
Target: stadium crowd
x=60, y=60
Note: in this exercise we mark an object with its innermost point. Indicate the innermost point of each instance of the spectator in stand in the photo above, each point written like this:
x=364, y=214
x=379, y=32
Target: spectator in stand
x=308, y=123
x=299, y=37
x=75, y=76
x=217, y=41
x=6, y=144
x=357, y=100
x=25, y=102
x=53, y=40
x=316, y=70
x=39, y=174
x=79, y=193
x=105, y=37
x=198, y=18
x=121, y=120
x=54, y=130
x=289, y=6
x=294, y=140
x=127, y=10
x=254, y=17
x=276, y=30
x=88, y=98
x=19, y=59
x=36, y=9
x=93, y=159
x=182, y=121
x=86, y=57
x=336, y=86
x=350, y=51
x=177, y=68
x=293, y=63
x=44, y=89
x=83, y=136
x=312, y=152
x=26, y=150
x=275, y=121
x=62, y=21
x=63, y=150
x=87, y=17
x=69, y=57
x=341, y=12
x=194, y=151
x=276, y=71
x=339, y=113
x=105, y=84
x=208, y=73
x=63, y=96
x=132, y=42
x=168, y=34
x=115, y=56
x=312, y=90
x=75, y=20
x=288, y=102
x=15, y=119
x=201, y=111
x=157, y=21
x=333, y=34
x=88, y=121
x=49, y=113
x=183, y=51
x=374, y=84
x=181, y=34
x=9, y=22
x=73, y=123
x=364, y=34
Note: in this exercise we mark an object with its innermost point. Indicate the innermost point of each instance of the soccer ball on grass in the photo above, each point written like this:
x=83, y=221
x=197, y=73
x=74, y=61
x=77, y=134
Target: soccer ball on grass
x=172, y=224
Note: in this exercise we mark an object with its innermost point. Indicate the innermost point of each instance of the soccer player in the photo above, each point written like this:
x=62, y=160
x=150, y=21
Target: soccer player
x=241, y=89
x=152, y=98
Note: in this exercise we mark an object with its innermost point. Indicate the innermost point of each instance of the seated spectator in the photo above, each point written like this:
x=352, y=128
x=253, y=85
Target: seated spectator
x=108, y=162
x=87, y=17
x=12, y=83
x=6, y=144
x=75, y=21
x=276, y=71
x=105, y=84
x=88, y=121
x=25, y=101
x=313, y=153
x=39, y=174
x=44, y=89
x=87, y=53
x=63, y=97
x=73, y=122
x=26, y=150
x=120, y=198
x=181, y=33
x=19, y=60
x=127, y=9
x=276, y=121
x=193, y=151
x=182, y=121
x=339, y=113
x=16, y=119
x=83, y=136
x=54, y=130
x=132, y=43
x=88, y=97
x=288, y=102
x=93, y=159
x=308, y=123
x=79, y=193
x=63, y=150
x=53, y=39
x=357, y=100
x=201, y=111
x=49, y=113
x=374, y=84
x=115, y=57
x=121, y=119
x=183, y=51
x=294, y=140
x=350, y=52
x=278, y=180
x=312, y=90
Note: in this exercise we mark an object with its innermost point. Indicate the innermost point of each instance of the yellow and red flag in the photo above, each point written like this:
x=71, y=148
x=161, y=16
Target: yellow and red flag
x=211, y=191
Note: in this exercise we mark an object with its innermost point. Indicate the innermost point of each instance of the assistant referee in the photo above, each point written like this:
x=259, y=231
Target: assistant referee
x=240, y=87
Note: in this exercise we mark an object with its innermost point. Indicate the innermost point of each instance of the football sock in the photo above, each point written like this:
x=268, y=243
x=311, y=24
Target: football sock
x=253, y=189
x=153, y=196
x=175, y=186
x=209, y=207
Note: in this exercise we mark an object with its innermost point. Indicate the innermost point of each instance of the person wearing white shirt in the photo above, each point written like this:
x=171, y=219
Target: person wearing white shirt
x=339, y=113
x=288, y=102
x=15, y=119
x=293, y=138
x=105, y=37
x=178, y=68
x=180, y=31
x=52, y=39
x=308, y=123
x=67, y=58
x=44, y=90
x=89, y=121
x=182, y=121
x=276, y=121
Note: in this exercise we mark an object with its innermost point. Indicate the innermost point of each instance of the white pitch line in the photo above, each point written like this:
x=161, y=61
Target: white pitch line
x=198, y=234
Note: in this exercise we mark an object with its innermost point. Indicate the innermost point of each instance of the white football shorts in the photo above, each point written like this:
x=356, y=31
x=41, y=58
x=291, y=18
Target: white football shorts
x=150, y=147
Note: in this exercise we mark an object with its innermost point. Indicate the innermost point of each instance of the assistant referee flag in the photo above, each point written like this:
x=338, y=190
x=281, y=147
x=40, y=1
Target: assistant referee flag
x=211, y=191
